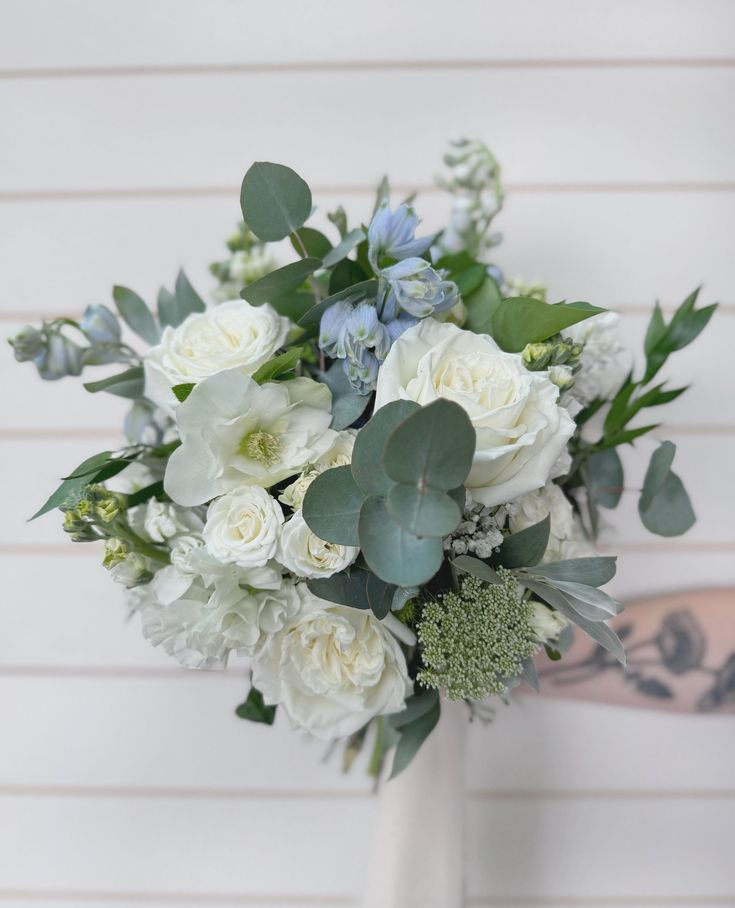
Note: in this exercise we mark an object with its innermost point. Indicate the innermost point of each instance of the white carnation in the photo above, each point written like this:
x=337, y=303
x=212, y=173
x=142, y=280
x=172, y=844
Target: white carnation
x=243, y=527
x=605, y=361
x=235, y=432
x=306, y=555
x=332, y=668
x=566, y=537
x=521, y=430
x=233, y=335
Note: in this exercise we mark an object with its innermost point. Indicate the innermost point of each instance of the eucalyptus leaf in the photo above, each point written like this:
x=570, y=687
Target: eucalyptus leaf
x=605, y=478
x=313, y=241
x=344, y=247
x=136, y=314
x=356, y=588
x=664, y=506
x=402, y=595
x=599, y=600
x=525, y=548
x=530, y=675
x=347, y=404
x=346, y=274
x=188, y=300
x=332, y=505
x=413, y=736
x=594, y=571
x=393, y=554
x=128, y=384
x=279, y=282
x=422, y=511
x=367, y=455
x=417, y=706
x=522, y=320
x=168, y=310
x=275, y=201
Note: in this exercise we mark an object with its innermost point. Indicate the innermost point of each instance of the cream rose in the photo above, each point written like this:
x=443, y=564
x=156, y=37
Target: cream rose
x=521, y=429
x=233, y=335
x=332, y=668
x=306, y=555
x=243, y=527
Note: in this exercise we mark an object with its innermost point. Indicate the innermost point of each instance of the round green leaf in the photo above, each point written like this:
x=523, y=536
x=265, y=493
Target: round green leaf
x=393, y=554
x=275, y=201
x=433, y=447
x=332, y=505
x=422, y=511
x=367, y=456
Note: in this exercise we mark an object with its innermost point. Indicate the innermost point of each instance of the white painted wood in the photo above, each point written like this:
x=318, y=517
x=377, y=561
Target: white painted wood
x=43, y=34
x=205, y=130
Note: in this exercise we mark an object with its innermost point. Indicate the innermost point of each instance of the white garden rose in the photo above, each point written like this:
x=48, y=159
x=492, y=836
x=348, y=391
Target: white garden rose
x=332, y=668
x=306, y=555
x=566, y=537
x=521, y=430
x=235, y=432
x=243, y=527
x=233, y=335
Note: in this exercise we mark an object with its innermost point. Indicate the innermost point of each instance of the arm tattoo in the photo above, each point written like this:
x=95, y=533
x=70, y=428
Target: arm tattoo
x=678, y=648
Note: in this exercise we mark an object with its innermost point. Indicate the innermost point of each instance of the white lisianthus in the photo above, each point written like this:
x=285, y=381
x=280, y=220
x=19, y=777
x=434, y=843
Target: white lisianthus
x=233, y=335
x=243, y=527
x=235, y=432
x=566, y=537
x=163, y=520
x=339, y=455
x=306, y=555
x=521, y=430
x=605, y=361
x=546, y=624
x=332, y=668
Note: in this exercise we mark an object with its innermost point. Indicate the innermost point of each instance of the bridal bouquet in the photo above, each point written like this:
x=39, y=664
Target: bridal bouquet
x=375, y=471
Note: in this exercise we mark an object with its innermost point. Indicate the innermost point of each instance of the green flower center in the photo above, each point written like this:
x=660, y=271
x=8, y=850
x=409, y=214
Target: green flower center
x=261, y=446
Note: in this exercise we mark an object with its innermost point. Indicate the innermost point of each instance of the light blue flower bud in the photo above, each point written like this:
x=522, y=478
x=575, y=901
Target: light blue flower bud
x=401, y=324
x=362, y=371
x=28, y=343
x=418, y=289
x=332, y=330
x=364, y=330
x=100, y=325
x=392, y=233
x=60, y=358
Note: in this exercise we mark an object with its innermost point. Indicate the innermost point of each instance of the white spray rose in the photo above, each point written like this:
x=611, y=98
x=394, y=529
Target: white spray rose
x=566, y=536
x=243, y=527
x=306, y=555
x=339, y=455
x=521, y=430
x=332, y=668
x=235, y=432
x=233, y=335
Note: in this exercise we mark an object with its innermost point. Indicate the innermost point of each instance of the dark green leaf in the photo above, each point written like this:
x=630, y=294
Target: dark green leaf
x=314, y=242
x=524, y=320
x=275, y=201
x=628, y=436
x=136, y=314
x=279, y=282
x=393, y=554
x=154, y=490
x=422, y=511
x=182, y=391
x=470, y=280
x=332, y=506
x=346, y=274
x=616, y=415
x=525, y=548
x=356, y=588
x=255, y=709
x=128, y=384
x=279, y=367
x=294, y=304
x=367, y=455
x=481, y=305
x=413, y=736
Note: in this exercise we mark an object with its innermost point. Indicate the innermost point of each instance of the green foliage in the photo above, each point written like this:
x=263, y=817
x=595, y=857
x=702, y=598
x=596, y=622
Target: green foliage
x=347, y=404
x=593, y=571
x=174, y=308
x=272, y=287
x=525, y=548
x=422, y=511
x=414, y=724
x=136, y=314
x=605, y=478
x=332, y=505
x=358, y=588
x=255, y=710
x=481, y=306
x=477, y=568
x=476, y=639
x=94, y=469
x=522, y=320
x=664, y=506
x=129, y=384
x=312, y=241
x=685, y=326
x=280, y=367
x=344, y=247
x=356, y=292
x=275, y=201
x=182, y=391
x=367, y=455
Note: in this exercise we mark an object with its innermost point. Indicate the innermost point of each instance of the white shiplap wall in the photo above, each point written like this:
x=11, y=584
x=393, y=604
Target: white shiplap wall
x=125, y=129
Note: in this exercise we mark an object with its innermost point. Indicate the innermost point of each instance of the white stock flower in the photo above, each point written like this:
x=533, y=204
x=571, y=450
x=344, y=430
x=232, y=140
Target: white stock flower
x=306, y=555
x=339, y=455
x=566, y=536
x=235, y=432
x=521, y=430
x=233, y=335
x=605, y=360
x=243, y=527
x=332, y=668
x=163, y=520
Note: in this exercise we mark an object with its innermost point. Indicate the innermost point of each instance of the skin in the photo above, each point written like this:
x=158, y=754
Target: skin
x=681, y=657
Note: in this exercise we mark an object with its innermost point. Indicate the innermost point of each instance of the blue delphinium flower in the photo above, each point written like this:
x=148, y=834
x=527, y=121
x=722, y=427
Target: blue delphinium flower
x=332, y=328
x=418, y=289
x=362, y=370
x=364, y=331
x=355, y=334
x=392, y=234
x=100, y=325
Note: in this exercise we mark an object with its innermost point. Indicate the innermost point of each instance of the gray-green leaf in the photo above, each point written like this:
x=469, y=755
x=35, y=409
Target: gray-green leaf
x=279, y=282
x=275, y=200
x=136, y=314
x=332, y=504
x=664, y=506
x=367, y=455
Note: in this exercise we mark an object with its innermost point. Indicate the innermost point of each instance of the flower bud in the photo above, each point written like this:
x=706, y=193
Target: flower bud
x=536, y=357
x=116, y=551
x=79, y=528
x=562, y=377
x=28, y=343
x=100, y=325
x=61, y=357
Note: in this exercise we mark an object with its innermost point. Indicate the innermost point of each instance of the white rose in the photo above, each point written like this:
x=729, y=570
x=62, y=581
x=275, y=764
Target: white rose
x=306, y=555
x=546, y=624
x=339, y=455
x=332, y=668
x=294, y=493
x=233, y=335
x=520, y=428
x=235, y=432
x=566, y=536
x=243, y=527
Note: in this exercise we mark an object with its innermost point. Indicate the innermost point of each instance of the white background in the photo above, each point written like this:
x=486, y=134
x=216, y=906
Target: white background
x=125, y=129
